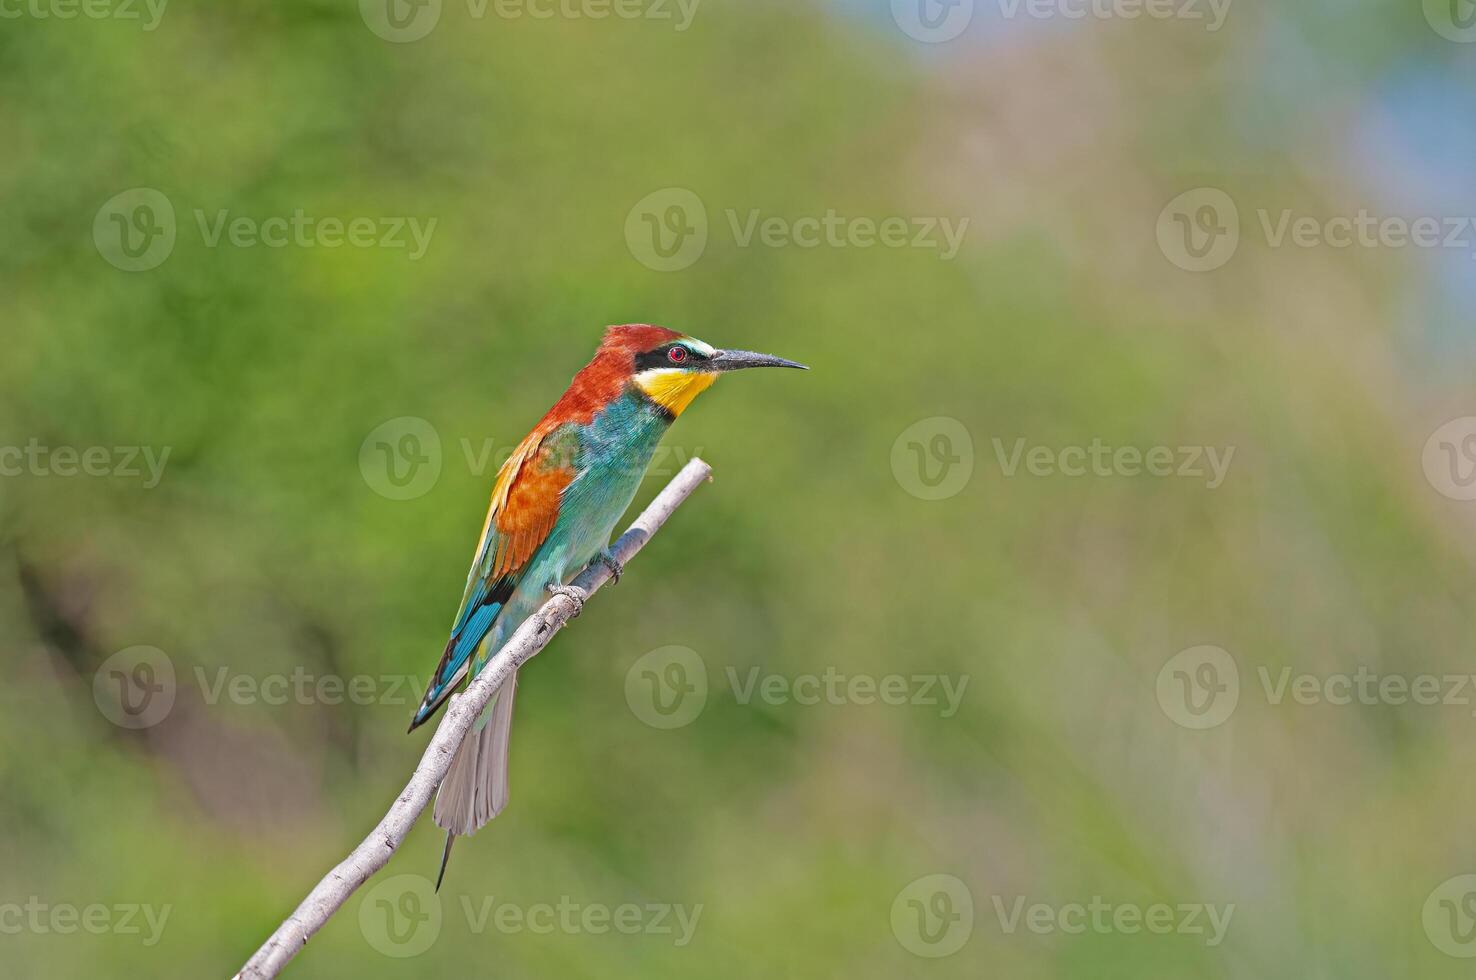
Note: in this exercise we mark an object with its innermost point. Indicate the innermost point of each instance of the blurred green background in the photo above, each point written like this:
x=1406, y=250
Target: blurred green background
x=272, y=544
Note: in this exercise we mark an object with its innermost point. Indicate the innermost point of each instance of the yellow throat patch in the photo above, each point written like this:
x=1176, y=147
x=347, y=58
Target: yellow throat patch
x=674, y=390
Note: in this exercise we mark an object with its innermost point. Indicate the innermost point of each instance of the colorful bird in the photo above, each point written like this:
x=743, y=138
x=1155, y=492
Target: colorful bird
x=554, y=506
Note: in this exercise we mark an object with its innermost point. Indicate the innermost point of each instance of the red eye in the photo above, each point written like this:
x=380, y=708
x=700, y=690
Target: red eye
x=677, y=355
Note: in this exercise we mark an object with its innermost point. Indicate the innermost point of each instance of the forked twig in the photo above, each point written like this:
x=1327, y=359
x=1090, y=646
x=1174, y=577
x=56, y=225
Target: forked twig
x=329, y=895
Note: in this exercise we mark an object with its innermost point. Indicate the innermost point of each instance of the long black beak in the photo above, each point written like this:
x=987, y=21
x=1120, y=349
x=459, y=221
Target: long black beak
x=737, y=360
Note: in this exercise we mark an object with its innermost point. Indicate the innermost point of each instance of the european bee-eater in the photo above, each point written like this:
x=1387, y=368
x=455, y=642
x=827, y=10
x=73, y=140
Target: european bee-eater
x=554, y=506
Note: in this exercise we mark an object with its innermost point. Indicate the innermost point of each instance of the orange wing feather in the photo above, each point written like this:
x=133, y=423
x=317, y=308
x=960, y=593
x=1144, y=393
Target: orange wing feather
x=525, y=504
x=523, y=510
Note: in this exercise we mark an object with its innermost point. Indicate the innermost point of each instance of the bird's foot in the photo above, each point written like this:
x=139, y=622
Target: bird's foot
x=573, y=593
x=606, y=558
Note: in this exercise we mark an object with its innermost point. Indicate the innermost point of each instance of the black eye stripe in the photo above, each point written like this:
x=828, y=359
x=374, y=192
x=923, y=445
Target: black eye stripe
x=662, y=357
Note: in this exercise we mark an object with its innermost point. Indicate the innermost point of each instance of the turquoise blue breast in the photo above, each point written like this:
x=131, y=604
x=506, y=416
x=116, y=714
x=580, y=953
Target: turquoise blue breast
x=614, y=450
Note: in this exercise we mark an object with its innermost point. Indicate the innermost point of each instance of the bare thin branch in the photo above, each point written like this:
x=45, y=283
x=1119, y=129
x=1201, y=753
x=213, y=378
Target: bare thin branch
x=463, y=709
